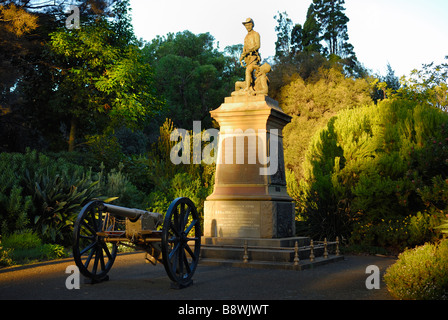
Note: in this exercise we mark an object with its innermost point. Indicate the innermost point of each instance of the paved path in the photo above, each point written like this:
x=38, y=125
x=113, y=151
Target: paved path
x=132, y=279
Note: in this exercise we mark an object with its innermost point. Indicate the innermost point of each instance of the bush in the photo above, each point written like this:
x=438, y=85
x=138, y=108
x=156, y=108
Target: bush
x=16, y=209
x=26, y=239
x=41, y=192
x=117, y=184
x=25, y=247
x=46, y=193
x=5, y=256
x=377, y=163
x=59, y=198
x=52, y=251
x=396, y=234
x=420, y=273
x=171, y=181
x=311, y=103
x=105, y=149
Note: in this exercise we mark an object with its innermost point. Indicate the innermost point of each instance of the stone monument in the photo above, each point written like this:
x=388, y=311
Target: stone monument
x=249, y=218
x=250, y=198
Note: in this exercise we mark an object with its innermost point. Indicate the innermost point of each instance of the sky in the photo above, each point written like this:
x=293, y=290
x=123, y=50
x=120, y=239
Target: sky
x=402, y=33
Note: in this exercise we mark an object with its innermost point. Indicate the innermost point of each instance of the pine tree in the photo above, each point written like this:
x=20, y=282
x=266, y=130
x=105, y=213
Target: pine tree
x=283, y=29
x=391, y=79
x=311, y=32
x=296, y=39
x=333, y=22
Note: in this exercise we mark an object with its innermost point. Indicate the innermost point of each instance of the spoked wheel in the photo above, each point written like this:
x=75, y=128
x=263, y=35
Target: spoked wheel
x=181, y=241
x=91, y=254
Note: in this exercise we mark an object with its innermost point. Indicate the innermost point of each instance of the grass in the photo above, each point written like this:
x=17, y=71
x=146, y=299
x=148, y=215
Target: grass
x=26, y=247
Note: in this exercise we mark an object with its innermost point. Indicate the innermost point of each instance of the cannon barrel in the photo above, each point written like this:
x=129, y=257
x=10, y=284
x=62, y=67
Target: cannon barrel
x=131, y=213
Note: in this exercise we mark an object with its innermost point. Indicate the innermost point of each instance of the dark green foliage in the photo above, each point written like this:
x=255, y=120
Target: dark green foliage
x=131, y=142
x=46, y=193
x=333, y=22
x=116, y=183
x=25, y=247
x=284, y=36
x=370, y=165
x=58, y=198
x=79, y=82
x=192, y=75
x=311, y=32
x=22, y=240
x=170, y=181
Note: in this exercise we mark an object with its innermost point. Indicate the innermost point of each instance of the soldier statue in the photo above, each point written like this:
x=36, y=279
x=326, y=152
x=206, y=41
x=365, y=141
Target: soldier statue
x=250, y=59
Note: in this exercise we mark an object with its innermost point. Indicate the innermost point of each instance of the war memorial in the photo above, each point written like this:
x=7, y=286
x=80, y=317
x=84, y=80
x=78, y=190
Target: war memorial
x=249, y=218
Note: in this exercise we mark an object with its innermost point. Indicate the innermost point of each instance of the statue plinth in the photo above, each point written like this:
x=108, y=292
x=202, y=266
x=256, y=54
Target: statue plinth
x=249, y=198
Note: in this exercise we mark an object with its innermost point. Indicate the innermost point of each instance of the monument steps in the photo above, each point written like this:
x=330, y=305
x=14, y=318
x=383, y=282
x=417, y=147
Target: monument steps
x=303, y=264
x=268, y=253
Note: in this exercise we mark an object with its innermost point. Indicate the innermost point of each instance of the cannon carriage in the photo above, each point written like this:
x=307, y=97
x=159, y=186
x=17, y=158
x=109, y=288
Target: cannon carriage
x=173, y=240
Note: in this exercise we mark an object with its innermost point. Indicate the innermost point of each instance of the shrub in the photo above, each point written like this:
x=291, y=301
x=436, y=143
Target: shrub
x=59, y=199
x=15, y=206
x=46, y=193
x=26, y=239
x=396, y=234
x=311, y=103
x=52, y=251
x=116, y=184
x=41, y=192
x=26, y=246
x=105, y=149
x=374, y=164
x=420, y=273
x=5, y=256
x=171, y=181
x=16, y=209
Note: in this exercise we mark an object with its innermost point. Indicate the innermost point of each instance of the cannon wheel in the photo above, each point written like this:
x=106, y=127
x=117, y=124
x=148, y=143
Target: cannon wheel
x=181, y=242
x=91, y=254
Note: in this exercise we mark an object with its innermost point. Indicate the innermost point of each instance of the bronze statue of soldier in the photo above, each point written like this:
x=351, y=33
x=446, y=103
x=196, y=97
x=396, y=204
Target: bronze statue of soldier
x=250, y=59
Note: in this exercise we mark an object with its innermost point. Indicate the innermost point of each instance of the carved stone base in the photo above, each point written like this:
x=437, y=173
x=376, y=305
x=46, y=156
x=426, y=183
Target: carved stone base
x=249, y=201
x=249, y=219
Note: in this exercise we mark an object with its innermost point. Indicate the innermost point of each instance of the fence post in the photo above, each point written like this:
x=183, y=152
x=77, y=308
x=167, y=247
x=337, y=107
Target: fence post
x=311, y=251
x=296, y=254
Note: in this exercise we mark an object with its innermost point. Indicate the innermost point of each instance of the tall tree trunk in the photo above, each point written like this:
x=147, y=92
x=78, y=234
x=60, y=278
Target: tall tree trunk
x=71, y=138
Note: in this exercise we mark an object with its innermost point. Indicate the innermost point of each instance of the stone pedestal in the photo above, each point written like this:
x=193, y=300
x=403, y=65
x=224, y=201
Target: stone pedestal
x=250, y=198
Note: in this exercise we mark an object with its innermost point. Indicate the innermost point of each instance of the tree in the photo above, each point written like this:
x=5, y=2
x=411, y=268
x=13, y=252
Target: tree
x=192, y=75
x=385, y=86
x=333, y=22
x=296, y=39
x=372, y=166
x=283, y=29
x=427, y=85
x=311, y=32
x=30, y=71
x=101, y=71
x=391, y=79
x=311, y=103
x=233, y=70
x=24, y=26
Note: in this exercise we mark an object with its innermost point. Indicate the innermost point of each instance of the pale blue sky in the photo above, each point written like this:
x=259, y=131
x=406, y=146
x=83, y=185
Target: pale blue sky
x=404, y=33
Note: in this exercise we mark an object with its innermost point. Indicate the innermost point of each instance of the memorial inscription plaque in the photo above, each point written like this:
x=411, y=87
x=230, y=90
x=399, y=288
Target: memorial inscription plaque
x=238, y=219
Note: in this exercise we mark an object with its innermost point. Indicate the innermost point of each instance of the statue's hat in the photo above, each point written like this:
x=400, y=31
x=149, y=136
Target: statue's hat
x=248, y=20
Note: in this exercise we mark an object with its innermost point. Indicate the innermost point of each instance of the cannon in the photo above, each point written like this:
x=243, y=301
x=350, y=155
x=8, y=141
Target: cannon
x=174, y=241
